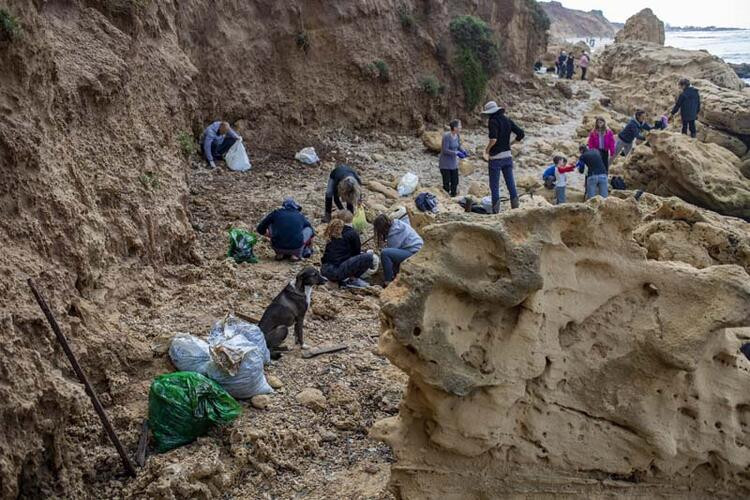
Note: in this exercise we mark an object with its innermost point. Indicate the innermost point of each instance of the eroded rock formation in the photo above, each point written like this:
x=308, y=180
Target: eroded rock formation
x=553, y=351
x=643, y=27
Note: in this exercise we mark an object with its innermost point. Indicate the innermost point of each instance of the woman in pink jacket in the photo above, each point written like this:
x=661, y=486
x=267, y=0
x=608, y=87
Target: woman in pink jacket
x=603, y=139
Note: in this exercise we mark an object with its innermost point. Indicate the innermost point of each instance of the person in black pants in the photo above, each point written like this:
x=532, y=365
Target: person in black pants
x=343, y=261
x=344, y=185
x=450, y=153
x=689, y=104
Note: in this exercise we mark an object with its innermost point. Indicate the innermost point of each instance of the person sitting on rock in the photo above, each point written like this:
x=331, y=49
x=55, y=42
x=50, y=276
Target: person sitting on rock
x=561, y=60
x=570, y=67
x=602, y=139
x=216, y=141
x=343, y=261
x=584, y=64
x=689, y=104
x=498, y=153
x=560, y=174
x=597, y=180
x=290, y=232
x=343, y=184
x=450, y=153
x=632, y=131
x=398, y=241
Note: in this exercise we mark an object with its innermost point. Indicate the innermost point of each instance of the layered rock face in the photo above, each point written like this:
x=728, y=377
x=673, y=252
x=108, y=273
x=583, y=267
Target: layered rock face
x=566, y=23
x=553, y=351
x=644, y=27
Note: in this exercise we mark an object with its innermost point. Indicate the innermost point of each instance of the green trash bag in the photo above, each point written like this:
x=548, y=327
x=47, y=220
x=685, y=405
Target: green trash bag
x=241, y=245
x=184, y=405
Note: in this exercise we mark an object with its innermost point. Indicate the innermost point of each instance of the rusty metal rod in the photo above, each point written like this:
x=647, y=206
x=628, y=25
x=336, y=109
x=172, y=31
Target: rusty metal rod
x=82, y=377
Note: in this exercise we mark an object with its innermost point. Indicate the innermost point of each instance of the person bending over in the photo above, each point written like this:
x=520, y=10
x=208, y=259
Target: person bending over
x=450, y=153
x=343, y=185
x=689, y=105
x=632, y=131
x=290, y=232
x=597, y=181
x=398, y=241
x=217, y=139
x=343, y=261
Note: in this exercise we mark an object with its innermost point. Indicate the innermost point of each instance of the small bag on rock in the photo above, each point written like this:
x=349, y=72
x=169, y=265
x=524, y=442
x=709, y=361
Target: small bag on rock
x=308, y=156
x=237, y=159
x=408, y=184
x=241, y=245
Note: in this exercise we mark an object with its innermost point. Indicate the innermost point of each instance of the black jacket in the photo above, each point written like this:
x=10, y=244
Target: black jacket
x=592, y=159
x=339, y=250
x=633, y=130
x=500, y=128
x=338, y=174
x=689, y=104
x=286, y=228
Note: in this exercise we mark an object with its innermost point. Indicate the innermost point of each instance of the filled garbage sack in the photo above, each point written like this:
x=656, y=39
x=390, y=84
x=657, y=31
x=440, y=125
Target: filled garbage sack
x=236, y=158
x=359, y=222
x=241, y=245
x=183, y=406
x=308, y=156
x=408, y=184
x=189, y=353
x=230, y=326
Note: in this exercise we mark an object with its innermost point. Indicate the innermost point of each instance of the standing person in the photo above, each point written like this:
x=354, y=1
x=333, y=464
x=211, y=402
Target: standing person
x=561, y=59
x=398, y=241
x=561, y=178
x=597, y=181
x=217, y=139
x=602, y=139
x=499, y=155
x=584, y=64
x=343, y=185
x=570, y=67
x=343, y=261
x=290, y=232
x=689, y=104
x=632, y=131
x=450, y=153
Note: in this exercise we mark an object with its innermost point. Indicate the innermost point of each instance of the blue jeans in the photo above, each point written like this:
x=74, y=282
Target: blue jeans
x=597, y=184
x=504, y=165
x=392, y=259
x=560, y=195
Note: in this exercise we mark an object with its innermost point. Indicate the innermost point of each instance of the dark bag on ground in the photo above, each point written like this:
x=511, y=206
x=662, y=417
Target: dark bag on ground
x=618, y=183
x=426, y=202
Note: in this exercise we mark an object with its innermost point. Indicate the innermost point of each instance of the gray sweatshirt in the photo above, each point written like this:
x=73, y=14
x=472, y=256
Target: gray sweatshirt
x=448, y=158
x=404, y=237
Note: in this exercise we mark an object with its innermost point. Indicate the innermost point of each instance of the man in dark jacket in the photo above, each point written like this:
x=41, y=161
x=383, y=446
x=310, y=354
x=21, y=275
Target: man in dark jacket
x=632, y=131
x=343, y=184
x=498, y=153
x=597, y=181
x=570, y=67
x=689, y=104
x=290, y=232
x=561, y=59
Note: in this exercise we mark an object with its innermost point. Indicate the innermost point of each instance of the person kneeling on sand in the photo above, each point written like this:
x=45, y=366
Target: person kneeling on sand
x=216, y=141
x=290, y=232
x=597, y=181
x=632, y=131
x=343, y=185
x=343, y=261
x=398, y=241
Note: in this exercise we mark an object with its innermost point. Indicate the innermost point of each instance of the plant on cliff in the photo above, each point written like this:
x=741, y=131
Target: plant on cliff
x=303, y=41
x=478, y=56
x=431, y=86
x=473, y=78
x=379, y=69
x=187, y=143
x=9, y=26
x=406, y=18
x=540, y=18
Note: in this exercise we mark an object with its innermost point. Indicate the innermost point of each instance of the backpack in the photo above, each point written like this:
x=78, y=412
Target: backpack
x=618, y=183
x=426, y=202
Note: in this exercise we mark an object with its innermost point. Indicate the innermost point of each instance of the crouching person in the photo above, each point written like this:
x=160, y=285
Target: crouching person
x=398, y=241
x=216, y=141
x=290, y=232
x=343, y=185
x=343, y=261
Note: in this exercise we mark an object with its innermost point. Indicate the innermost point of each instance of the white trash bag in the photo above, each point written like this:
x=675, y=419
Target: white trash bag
x=236, y=158
x=308, y=156
x=237, y=366
x=231, y=326
x=408, y=184
x=189, y=353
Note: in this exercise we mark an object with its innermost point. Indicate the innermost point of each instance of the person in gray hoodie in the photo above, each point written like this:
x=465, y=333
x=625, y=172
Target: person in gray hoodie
x=450, y=153
x=398, y=241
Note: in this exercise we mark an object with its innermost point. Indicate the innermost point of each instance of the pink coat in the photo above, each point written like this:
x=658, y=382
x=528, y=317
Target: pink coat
x=584, y=61
x=609, y=141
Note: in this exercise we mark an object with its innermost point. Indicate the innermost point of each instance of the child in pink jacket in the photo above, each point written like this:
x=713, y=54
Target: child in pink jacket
x=603, y=139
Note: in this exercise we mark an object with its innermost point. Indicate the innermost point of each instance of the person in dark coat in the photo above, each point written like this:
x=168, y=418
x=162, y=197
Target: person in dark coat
x=689, y=104
x=290, y=232
x=632, y=131
x=343, y=261
x=343, y=185
x=499, y=155
x=590, y=161
x=570, y=67
x=561, y=63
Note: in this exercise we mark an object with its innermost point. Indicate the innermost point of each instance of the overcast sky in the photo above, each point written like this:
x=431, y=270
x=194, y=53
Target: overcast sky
x=726, y=13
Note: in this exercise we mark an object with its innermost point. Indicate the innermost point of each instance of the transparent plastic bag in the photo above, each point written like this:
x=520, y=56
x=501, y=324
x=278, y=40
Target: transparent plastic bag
x=408, y=184
x=237, y=159
x=308, y=156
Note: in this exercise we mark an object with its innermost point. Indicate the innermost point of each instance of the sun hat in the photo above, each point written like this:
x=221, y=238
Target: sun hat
x=491, y=108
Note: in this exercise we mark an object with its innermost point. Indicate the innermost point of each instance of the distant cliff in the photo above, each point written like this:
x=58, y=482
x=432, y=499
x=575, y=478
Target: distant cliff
x=568, y=23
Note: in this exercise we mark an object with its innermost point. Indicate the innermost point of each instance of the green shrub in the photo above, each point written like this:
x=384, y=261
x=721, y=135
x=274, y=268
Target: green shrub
x=540, y=18
x=473, y=78
x=150, y=180
x=383, y=71
x=472, y=34
x=303, y=41
x=431, y=85
x=187, y=143
x=9, y=26
x=406, y=18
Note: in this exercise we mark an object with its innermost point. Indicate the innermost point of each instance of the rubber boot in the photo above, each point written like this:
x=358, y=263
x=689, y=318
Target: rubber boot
x=514, y=203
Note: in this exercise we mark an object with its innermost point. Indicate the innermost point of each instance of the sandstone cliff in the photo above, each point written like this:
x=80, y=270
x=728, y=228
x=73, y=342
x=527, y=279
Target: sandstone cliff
x=553, y=350
x=97, y=98
x=568, y=23
x=642, y=27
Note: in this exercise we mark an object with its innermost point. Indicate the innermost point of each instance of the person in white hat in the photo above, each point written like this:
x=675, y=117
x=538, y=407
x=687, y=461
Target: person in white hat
x=498, y=153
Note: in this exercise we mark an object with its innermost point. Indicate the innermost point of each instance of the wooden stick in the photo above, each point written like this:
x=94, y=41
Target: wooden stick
x=82, y=377
x=245, y=317
x=140, y=456
x=311, y=353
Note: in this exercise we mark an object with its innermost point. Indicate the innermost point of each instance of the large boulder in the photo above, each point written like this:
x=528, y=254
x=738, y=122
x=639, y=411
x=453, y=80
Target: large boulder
x=723, y=139
x=642, y=27
x=433, y=140
x=548, y=350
